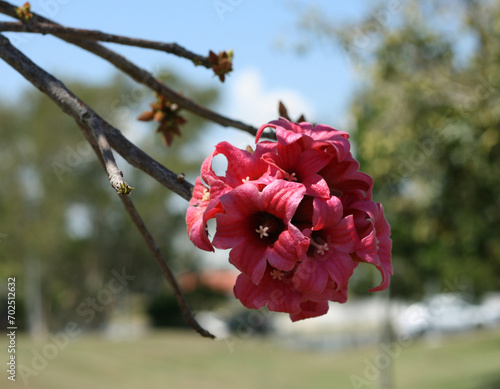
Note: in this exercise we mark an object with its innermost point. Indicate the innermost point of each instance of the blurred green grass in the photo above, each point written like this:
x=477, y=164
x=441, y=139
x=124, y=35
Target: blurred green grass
x=178, y=359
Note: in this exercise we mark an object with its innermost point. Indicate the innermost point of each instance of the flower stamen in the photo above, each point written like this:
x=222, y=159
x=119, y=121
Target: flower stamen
x=320, y=248
x=206, y=195
x=262, y=231
x=291, y=177
x=277, y=274
x=245, y=180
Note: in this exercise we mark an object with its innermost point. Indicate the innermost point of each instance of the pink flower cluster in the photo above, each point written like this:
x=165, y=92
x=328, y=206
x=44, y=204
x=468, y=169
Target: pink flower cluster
x=297, y=215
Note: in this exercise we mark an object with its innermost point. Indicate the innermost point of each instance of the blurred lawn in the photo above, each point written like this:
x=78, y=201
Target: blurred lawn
x=176, y=359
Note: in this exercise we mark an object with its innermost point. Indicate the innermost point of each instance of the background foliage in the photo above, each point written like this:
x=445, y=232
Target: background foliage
x=427, y=126
x=67, y=230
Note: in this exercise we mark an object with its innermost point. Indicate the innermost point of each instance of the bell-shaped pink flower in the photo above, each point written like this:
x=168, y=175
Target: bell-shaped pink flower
x=344, y=177
x=332, y=240
x=298, y=163
x=243, y=165
x=256, y=226
x=275, y=290
x=298, y=216
x=288, y=132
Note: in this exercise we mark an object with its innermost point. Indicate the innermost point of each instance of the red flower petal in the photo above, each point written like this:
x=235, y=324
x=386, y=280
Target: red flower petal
x=340, y=267
x=310, y=276
x=277, y=293
x=245, y=206
x=326, y=213
x=343, y=235
x=310, y=309
x=196, y=226
x=285, y=253
x=249, y=259
x=281, y=198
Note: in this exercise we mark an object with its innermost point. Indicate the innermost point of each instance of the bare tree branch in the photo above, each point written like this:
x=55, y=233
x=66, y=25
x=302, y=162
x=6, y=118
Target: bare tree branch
x=94, y=35
x=138, y=74
x=84, y=115
x=92, y=126
x=115, y=175
x=186, y=311
x=101, y=135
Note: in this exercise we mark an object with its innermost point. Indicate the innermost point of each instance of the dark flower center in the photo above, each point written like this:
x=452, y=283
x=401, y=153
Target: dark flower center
x=291, y=177
x=267, y=227
x=318, y=245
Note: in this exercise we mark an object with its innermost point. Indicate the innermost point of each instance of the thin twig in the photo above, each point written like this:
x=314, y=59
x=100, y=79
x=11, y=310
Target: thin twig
x=153, y=247
x=115, y=175
x=186, y=311
x=139, y=74
x=94, y=35
x=83, y=114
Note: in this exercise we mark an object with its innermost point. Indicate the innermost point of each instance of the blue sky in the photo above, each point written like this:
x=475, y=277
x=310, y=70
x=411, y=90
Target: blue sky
x=318, y=84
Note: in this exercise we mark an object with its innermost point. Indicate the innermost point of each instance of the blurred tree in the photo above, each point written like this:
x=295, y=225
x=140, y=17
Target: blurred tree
x=60, y=213
x=427, y=128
